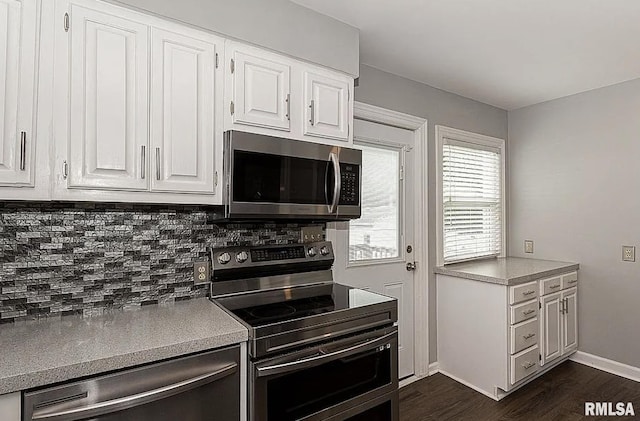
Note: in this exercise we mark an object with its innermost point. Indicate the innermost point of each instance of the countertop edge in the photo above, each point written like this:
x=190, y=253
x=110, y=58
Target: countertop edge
x=570, y=267
x=60, y=374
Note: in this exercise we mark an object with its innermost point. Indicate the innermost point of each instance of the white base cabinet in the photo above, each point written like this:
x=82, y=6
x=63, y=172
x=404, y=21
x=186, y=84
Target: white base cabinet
x=495, y=338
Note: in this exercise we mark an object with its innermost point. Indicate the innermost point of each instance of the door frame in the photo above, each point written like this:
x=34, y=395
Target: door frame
x=418, y=126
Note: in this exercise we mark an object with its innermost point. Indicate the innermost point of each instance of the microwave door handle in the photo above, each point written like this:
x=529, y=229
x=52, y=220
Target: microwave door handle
x=317, y=360
x=336, y=182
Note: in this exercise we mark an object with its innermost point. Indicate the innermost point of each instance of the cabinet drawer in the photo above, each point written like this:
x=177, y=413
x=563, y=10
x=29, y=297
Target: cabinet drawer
x=524, y=335
x=524, y=364
x=570, y=280
x=523, y=292
x=551, y=285
x=524, y=311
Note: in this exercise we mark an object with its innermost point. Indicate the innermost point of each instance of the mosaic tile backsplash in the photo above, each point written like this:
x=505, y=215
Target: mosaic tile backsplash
x=73, y=258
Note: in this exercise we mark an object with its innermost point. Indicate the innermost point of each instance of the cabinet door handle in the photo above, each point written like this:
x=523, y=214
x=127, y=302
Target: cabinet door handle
x=554, y=286
x=143, y=158
x=288, y=101
x=562, y=306
x=157, y=163
x=23, y=150
x=527, y=312
x=527, y=365
x=528, y=292
x=529, y=335
x=312, y=120
x=573, y=281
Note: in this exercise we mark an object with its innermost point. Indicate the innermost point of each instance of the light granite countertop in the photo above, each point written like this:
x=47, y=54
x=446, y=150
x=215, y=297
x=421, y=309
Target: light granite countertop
x=38, y=353
x=507, y=270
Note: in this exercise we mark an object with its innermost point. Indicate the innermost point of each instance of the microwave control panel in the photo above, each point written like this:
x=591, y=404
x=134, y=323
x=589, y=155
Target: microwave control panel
x=350, y=184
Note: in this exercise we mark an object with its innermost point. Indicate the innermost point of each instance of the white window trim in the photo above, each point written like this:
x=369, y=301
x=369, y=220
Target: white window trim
x=442, y=133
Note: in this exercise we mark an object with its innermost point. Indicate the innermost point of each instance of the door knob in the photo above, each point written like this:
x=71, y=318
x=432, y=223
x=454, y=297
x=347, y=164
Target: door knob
x=411, y=266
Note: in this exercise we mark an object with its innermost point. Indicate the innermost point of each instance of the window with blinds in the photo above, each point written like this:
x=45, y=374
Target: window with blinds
x=472, y=201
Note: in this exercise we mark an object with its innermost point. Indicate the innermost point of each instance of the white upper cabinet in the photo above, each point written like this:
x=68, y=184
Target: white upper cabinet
x=185, y=98
x=327, y=111
x=109, y=98
x=17, y=74
x=260, y=88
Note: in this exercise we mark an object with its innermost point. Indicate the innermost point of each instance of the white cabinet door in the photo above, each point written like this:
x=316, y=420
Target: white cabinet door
x=570, y=320
x=108, y=131
x=260, y=89
x=17, y=74
x=327, y=106
x=550, y=327
x=183, y=103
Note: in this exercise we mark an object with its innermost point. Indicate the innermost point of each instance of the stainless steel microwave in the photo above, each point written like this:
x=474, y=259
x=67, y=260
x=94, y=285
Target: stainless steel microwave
x=274, y=178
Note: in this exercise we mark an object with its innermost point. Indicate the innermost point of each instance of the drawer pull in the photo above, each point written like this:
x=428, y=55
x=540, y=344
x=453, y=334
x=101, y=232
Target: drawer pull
x=554, y=286
x=573, y=281
x=529, y=292
x=529, y=335
x=527, y=365
x=527, y=312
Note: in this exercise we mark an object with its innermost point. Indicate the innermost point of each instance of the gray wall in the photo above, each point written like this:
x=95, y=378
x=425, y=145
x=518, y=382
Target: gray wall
x=439, y=108
x=276, y=24
x=575, y=191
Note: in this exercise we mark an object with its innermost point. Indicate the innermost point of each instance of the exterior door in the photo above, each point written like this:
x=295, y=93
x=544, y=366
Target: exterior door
x=17, y=71
x=372, y=252
x=109, y=115
x=550, y=327
x=183, y=109
x=327, y=106
x=570, y=321
x=261, y=88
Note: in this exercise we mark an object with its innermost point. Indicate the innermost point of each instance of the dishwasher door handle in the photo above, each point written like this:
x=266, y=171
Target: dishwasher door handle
x=110, y=406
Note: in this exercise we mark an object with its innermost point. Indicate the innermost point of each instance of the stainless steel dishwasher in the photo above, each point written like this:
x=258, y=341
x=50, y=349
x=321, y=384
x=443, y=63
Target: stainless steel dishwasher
x=194, y=388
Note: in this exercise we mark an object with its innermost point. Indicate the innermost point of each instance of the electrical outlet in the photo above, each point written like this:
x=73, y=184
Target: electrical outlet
x=528, y=246
x=201, y=273
x=628, y=253
x=311, y=234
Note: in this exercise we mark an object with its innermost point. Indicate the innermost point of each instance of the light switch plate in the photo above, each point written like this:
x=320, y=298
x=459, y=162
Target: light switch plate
x=628, y=253
x=528, y=246
x=201, y=272
x=312, y=234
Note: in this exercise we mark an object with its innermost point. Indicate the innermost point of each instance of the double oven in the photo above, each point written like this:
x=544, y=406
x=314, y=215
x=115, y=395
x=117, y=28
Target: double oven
x=318, y=350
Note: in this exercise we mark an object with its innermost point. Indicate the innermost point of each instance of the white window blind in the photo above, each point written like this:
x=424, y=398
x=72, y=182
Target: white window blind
x=472, y=201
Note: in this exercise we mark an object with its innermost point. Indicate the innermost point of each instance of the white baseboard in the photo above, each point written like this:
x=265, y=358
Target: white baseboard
x=407, y=381
x=477, y=389
x=610, y=366
x=433, y=368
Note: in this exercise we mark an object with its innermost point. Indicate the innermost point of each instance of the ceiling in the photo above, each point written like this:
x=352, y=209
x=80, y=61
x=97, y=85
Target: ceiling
x=507, y=53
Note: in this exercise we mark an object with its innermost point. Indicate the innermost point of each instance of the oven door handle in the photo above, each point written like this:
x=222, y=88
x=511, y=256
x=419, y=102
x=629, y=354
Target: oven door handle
x=119, y=404
x=316, y=360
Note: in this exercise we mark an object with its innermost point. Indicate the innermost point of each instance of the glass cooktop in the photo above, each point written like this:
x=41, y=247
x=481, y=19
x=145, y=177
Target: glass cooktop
x=268, y=307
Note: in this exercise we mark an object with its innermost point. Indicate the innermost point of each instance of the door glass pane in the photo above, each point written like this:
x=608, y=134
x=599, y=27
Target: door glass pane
x=376, y=235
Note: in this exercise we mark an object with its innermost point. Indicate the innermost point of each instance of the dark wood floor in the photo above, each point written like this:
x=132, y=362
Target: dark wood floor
x=558, y=395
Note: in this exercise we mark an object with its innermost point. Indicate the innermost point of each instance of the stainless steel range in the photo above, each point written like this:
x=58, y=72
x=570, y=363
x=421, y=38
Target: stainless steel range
x=318, y=350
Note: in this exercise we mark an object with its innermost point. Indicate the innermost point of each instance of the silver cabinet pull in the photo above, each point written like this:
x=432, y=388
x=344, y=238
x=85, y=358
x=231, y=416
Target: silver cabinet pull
x=23, y=150
x=527, y=365
x=554, y=286
x=573, y=281
x=157, y=163
x=529, y=292
x=526, y=312
x=143, y=157
x=529, y=336
x=312, y=120
x=288, y=101
x=562, y=309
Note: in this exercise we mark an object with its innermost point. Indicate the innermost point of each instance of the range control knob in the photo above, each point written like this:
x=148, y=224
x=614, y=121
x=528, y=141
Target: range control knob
x=224, y=258
x=242, y=257
x=324, y=250
x=311, y=252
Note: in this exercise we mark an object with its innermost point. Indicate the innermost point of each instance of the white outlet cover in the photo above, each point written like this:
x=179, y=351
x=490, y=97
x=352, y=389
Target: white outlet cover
x=528, y=246
x=628, y=253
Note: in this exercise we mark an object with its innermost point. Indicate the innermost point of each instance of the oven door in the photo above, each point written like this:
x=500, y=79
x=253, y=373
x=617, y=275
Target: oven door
x=337, y=380
x=268, y=177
